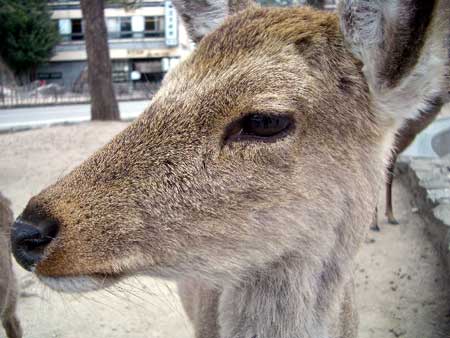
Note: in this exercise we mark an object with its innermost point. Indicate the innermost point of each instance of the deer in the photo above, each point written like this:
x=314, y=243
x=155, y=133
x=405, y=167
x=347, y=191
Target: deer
x=404, y=138
x=252, y=176
x=8, y=285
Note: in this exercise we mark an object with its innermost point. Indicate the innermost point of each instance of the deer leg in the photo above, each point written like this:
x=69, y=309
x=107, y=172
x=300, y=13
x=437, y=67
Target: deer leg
x=200, y=302
x=12, y=326
x=374, y=226
x=8, y=316
x=10, y=321
x=390, y=177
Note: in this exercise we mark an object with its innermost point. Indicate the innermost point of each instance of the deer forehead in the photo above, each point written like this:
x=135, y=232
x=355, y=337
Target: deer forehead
x=258, y=60
x=259, y=29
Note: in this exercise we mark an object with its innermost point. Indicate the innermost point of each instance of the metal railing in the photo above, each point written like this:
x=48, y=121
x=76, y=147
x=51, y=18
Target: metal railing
x=78, y=37
x=35, y=95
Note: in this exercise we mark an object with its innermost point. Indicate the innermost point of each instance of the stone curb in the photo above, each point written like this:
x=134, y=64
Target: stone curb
x=429, y=180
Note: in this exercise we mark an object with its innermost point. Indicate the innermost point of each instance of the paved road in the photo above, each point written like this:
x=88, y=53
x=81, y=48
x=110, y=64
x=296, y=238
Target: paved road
x=19, y=118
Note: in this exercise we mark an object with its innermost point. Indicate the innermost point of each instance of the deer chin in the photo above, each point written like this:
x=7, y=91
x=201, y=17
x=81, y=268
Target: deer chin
x=75, y=274
x=79, y=284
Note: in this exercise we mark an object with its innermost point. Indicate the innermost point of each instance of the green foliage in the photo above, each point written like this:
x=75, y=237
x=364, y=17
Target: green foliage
x=27, y=34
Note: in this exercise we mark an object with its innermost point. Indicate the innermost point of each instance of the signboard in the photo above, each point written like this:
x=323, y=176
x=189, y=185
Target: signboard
x=49, y=76
x=146, y=53
x=171, y=24
x=148, y=66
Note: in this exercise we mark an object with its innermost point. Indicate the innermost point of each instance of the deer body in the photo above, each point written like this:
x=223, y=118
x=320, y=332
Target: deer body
x=403, y=140
x=251, y=177
x=8, y=288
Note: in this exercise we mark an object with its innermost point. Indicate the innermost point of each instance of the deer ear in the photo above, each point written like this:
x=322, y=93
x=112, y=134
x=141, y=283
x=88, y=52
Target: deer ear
x=203, y=16
x=403, y=45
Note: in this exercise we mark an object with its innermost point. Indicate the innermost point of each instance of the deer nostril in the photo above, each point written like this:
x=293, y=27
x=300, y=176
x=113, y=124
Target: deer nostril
x=29, y=241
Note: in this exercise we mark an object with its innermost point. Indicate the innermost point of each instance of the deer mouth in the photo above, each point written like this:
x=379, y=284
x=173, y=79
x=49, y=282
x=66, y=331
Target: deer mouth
x=78, y=284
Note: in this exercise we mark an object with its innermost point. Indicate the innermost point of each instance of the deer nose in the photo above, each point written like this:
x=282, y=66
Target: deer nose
x=28, y=241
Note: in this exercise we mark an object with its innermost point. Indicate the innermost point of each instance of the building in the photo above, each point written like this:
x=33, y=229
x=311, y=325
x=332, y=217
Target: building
x=327, y=4
x=145, y=41
x=330, y=4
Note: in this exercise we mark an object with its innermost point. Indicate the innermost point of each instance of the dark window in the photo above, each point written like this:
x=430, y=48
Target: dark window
x=125, y=28
x=150, y=23
x=154, y=27
x=77, y=29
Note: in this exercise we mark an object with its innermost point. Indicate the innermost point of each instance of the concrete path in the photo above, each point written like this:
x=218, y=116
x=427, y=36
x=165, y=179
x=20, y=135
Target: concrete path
x=31, y=117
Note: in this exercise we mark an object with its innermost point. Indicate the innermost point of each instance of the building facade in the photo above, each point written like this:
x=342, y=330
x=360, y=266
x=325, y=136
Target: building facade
x=144, y=41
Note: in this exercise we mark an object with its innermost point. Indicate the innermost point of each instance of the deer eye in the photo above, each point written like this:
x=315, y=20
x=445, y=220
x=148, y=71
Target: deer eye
x=261, y=127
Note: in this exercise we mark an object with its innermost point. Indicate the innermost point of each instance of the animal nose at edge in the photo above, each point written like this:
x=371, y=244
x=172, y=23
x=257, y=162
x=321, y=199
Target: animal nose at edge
x=28, y=241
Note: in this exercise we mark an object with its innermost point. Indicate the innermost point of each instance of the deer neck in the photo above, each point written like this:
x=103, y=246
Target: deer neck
x=288, y=300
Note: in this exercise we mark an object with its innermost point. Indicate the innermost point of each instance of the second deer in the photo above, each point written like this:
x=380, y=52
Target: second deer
x=8, y=287
x=405, y=136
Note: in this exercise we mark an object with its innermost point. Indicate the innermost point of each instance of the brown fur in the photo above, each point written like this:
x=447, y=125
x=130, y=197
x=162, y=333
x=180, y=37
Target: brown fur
x=8, y=288
x=261, y=236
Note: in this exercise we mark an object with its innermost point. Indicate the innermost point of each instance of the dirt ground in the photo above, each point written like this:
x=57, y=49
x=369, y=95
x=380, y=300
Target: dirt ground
x=401, y=282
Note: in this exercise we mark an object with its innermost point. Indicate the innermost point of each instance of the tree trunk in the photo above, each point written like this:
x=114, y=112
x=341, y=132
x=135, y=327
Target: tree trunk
x=103, y=100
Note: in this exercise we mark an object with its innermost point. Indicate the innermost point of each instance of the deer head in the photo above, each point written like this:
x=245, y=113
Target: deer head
x=267, y=142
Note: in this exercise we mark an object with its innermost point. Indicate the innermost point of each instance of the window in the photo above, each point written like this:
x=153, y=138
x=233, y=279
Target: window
x=120, y=71
x=125, y=27
x=150, y=23
x=65, y=29
x=154, y=27
x=77, y=29
x=113, y=26
x=119, y=27
x=71, y=29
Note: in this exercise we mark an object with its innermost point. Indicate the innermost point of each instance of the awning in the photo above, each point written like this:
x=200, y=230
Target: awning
x=148, y=66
